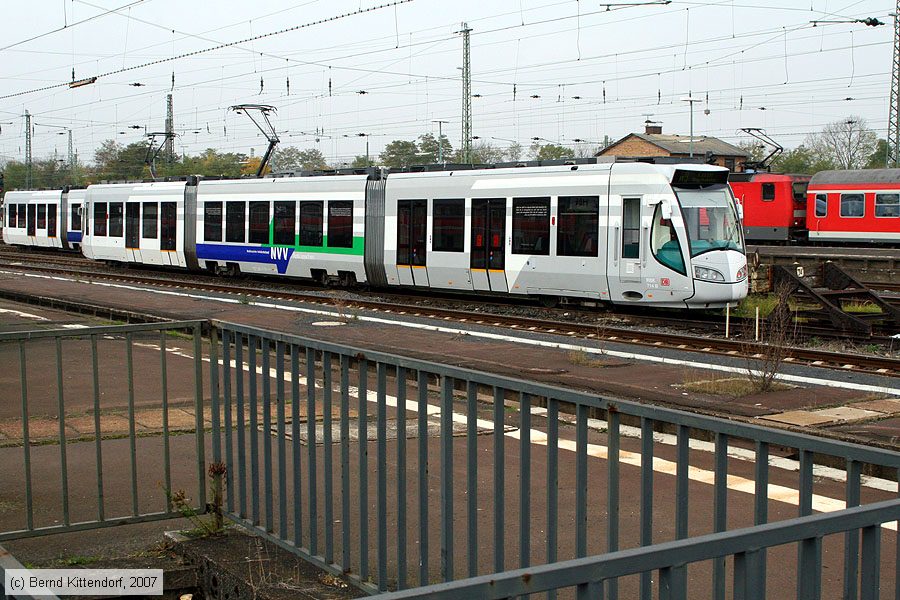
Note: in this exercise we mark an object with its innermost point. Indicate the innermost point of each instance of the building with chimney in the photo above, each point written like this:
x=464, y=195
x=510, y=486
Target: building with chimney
x=654, y=143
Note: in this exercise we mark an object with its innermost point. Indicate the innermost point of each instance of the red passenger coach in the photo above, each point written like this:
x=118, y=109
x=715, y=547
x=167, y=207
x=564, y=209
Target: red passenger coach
x=855, y=206
x=774, y=205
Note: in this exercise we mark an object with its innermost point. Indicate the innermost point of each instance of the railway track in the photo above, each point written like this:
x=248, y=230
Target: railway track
x=600, y=330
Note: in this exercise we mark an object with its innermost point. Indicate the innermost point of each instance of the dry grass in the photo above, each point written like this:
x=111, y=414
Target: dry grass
x=734, y=387
x=585, y=359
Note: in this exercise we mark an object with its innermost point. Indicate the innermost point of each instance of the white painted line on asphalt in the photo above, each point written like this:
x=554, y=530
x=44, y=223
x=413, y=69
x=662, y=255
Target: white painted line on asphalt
x=894, y=391
x=24, y=315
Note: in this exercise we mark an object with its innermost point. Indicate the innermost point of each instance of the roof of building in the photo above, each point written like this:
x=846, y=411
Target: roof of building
x=680, y=144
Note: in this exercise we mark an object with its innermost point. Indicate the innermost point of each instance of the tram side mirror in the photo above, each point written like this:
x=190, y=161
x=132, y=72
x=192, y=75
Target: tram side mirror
x=740, y=210
x=667, y=211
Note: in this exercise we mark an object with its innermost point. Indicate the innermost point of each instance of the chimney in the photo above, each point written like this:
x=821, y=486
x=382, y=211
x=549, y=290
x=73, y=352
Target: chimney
x=648, y=128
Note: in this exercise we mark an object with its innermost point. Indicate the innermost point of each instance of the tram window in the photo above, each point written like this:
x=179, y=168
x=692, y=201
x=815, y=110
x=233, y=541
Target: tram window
x=768, y=192
x=852, y=205
x=21, y=216
x=150, y=220
x=11, y=217
x=212, y=221
x=285, y=223
x=51, y=220
x=577, y=227
x=42, y=216
x=531, y=226
x=664, y=243
x=259, y=223
x=311, y=223
x=448, y=230
x=116, y=221
x=821, y=205
x=168, y=225
x=76, y=218
x=340, y=224
x=631, y=227
x=887, y=205
x=235, y=222
x=99, y=219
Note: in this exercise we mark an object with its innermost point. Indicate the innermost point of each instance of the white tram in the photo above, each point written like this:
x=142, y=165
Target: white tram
x=626, y=232
x=43, y=219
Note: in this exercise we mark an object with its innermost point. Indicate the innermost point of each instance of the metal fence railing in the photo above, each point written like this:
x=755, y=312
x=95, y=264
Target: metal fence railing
x=100, y=426
x=401, y=473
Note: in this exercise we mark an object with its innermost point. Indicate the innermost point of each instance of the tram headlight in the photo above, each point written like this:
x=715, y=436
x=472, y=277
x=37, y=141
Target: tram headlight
x=742, y=273
x=707, y=274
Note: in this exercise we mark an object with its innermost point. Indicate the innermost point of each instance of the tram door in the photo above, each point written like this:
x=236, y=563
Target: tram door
x=31, y=220
x=488, y=244
x=133, y=230
x=412, y=228
x=630, y=248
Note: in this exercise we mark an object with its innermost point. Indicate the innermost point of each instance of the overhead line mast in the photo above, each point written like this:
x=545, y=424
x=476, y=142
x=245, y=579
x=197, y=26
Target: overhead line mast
x=893, y=159
x=466, y=145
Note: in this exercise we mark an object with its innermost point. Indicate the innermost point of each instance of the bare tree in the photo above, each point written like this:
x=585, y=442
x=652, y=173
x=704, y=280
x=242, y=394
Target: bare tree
x=779, y=333
x=847, y=143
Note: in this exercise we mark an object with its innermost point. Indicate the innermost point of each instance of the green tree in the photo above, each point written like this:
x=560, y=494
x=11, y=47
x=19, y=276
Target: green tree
x=361, y=160
x=431, y=151
x=801, y=160
x=291, y=158
x=400, y=153
x=485, y=154
x=550, y=151
x=878, y=158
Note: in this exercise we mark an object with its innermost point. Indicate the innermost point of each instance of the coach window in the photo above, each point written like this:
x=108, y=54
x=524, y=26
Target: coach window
x=448, y=230
x=11, y=217
x=235, y=222
x=311, y=223
x=340, y=224
x=852, y=205
x=285, y=223
x=150, y=220
x=51, y=220
x=116, y=221
x=76, y=217
x=212, y=221
x=768, y=192
x=42, y=216
x=821, y=205
x=21, y=216
x=99, y=219
x=887, y=205
x=531, y=226
x=168, y=225
x=577, y=227
x=664, y=242
x=259, y=223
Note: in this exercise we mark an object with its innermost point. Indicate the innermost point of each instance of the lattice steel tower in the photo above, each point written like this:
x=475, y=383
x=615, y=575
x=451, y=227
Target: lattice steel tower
x=27, y=150
x=893, y=139
x=170, y=130
x=466, y=145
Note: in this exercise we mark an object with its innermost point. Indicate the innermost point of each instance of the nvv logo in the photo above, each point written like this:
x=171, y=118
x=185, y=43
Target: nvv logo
x=278, y=254
x=281, y=257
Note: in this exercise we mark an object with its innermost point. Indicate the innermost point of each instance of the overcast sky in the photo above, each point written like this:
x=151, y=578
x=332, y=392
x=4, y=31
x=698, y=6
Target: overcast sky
x=558, y=70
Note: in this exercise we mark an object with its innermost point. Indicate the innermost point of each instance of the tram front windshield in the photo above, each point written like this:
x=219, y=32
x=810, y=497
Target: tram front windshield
x=710, y=218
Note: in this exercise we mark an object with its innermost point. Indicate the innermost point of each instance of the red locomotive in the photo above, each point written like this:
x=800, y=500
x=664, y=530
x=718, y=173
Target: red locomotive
x=774, y=206
x=860, y=206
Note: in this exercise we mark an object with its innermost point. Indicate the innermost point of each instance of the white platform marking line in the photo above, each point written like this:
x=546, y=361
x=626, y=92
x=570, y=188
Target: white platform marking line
x=24, y=315
x=501, y=337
